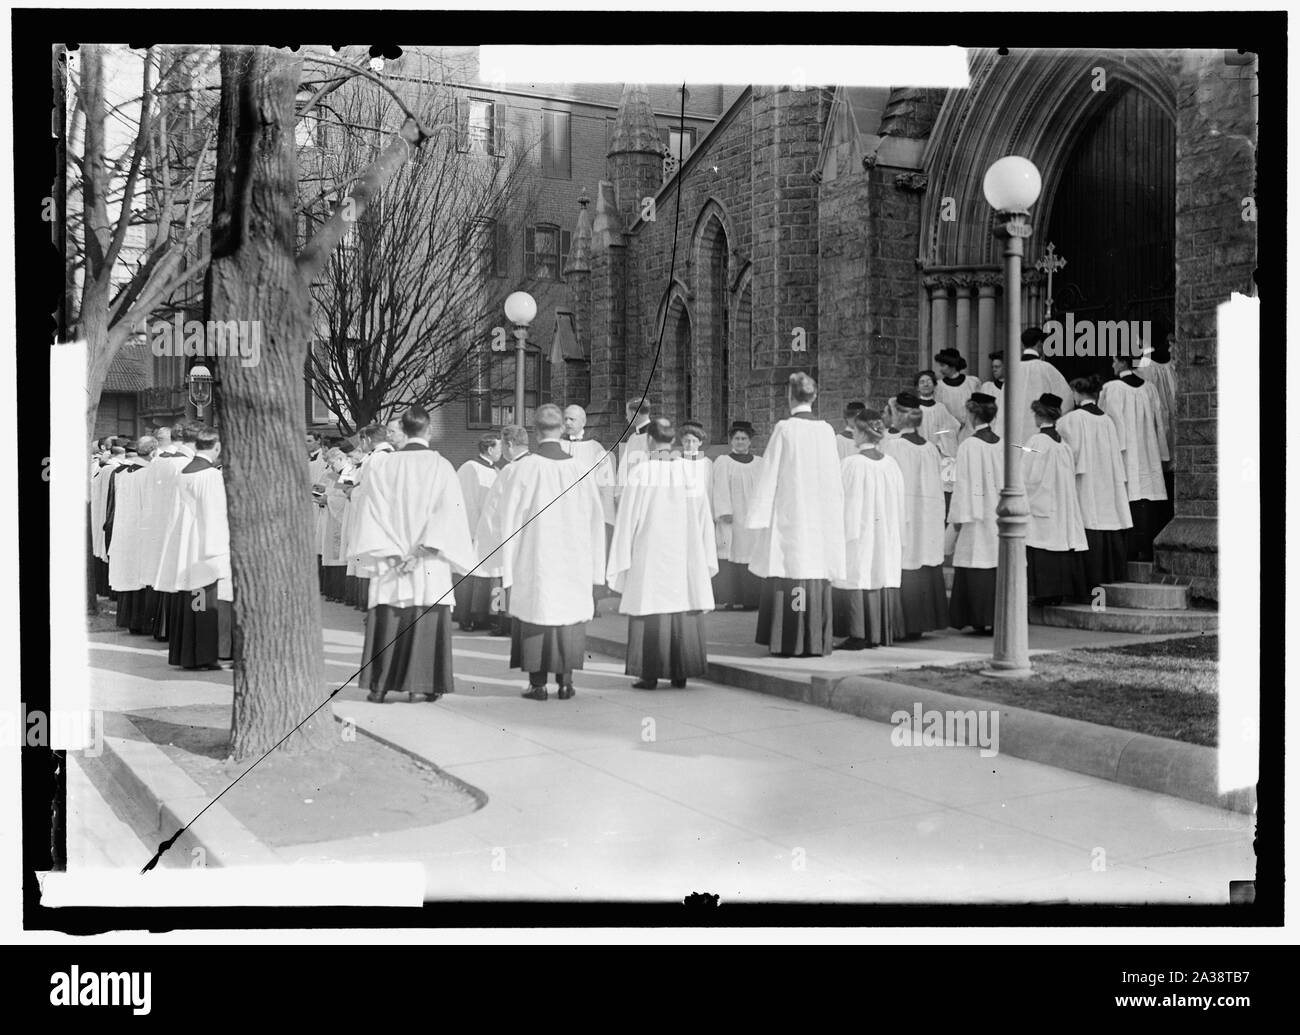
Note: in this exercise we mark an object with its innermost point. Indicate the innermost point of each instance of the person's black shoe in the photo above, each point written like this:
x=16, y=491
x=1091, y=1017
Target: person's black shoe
x=376, y=696
x=535, y=693
x=420, y=698
x=566, y=691
x=645, y=684
x=678, y=684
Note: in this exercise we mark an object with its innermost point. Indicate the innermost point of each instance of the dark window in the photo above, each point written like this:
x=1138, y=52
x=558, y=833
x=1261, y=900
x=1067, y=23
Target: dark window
x=491, y=253
x=542, y=252
x=556, y=157
x=479, y=409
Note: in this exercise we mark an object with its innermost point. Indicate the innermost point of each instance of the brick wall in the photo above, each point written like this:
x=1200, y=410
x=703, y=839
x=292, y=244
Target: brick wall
x=1214, y=256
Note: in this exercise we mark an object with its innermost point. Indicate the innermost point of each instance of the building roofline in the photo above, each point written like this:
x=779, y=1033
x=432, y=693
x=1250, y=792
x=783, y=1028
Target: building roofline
x=722, y=122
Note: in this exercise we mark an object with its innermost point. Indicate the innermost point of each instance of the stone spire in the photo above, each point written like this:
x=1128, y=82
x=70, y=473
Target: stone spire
x=580, y=251
x=608, y=227
x=634, y=126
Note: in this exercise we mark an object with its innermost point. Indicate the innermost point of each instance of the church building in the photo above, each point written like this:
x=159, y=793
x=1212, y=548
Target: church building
x=844, y=232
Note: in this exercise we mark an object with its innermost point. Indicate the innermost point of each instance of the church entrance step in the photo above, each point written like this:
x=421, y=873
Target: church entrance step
x=1145, y=573
x=1141, y=621
x=1146, y=596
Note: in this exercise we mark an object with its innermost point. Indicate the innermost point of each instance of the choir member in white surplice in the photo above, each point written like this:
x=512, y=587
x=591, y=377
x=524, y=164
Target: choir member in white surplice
x=476, y=477
x=1055, y=544
x=797, y=510
x=974, y=514
x=955, y=387
x=600, y=462
x=410, y=537
x=844, y=441
x=699, y=468
x=924, y=595
x=633, y=451
x=1037, y=377
x=333, y=556
x=127, y=601
x=317, y=468
x=1156, y=367
x=374, y=439
x=489, y=535
x=735, y=477
x=939, y=427
x=132, y=529
x=1134, y=406
x=868, y=607
x=166, y=469
x=993, y=387
x=1100, y=481
x=661, y=560
x=196, y=549
x=99, y=484
x=552, y=553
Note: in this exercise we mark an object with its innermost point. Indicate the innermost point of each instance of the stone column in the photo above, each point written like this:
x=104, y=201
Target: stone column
x=987, y=284
x=938, y=288
x=963, y=283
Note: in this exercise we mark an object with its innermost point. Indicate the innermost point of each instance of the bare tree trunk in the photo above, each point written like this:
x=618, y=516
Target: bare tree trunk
x=254, y=276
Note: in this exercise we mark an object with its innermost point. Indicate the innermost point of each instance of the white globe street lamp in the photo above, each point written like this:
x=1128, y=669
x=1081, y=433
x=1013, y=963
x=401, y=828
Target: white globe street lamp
x=1012, y=185
x=521, y=309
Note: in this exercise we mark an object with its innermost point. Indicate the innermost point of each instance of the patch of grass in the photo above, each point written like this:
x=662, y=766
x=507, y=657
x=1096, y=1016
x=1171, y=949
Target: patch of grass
x=1167, y=688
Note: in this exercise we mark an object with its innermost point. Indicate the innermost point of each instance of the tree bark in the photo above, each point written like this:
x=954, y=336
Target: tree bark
x=278, y=646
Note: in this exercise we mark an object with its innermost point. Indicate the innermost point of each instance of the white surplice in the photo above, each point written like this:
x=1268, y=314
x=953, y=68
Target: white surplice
x=1140, y=428
x=130, y=527
x=592, y=456
x=873, y=523
x=733, y=489
x=1098, y=469
x=954, y=397
x=165, y=471
x=663, y=555
x=1055, y=518
x=994, y=389
x=975, y=503
x=1164, y=379
x=553, y=549
x=196, y=547
x=412, y=506
x=98, y=507
x=1037, y=378
x=923, y=524
x=797, y=506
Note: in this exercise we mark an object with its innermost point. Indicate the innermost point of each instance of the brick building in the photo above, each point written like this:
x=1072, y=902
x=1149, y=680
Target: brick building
x=844, y=232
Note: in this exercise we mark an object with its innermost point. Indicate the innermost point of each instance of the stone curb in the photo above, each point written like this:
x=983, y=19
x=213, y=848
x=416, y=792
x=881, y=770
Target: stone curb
x=1188, y=771
x=172, y=799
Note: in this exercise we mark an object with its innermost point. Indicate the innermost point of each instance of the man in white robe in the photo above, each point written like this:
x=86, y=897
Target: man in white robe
x=476, y=477
x=196, y=549
x=1055, y=542
x=600, y=462
x=924, y=594
x=99, y=484
x=489, y=534
x=164, y=471
x=1037, y=378
x=735, y=479
x=844, y=442
x=1134, y=405
x=411, y=537
x=333, y=548
x=974, y=514
x=868, y=609
x=661, y=560
x=993, y=387
x=1101, y=485
x=797, y=510
x=552, y=553
x=132, y=528
x=317, y=472
x=376, y=439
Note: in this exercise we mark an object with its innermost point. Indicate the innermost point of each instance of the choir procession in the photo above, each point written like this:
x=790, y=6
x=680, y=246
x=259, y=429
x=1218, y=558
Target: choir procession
x=837, y=541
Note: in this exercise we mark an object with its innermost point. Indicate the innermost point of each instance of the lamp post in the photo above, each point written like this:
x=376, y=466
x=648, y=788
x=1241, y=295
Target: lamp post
x=520, y=308
x=1011, y=186
x=199, y=380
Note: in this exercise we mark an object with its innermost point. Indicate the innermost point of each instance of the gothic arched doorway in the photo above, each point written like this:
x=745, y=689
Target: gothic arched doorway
x=1112, y=219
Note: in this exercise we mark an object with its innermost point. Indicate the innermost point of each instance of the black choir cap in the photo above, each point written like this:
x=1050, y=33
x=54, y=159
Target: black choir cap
x=1048, y=399
x=741, y=425
x=951, y=357
x=984, y=398
x=908, y=400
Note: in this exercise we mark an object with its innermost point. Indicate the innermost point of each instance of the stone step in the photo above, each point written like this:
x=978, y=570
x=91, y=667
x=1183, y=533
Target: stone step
x=1139, y=621
x=1144, y=572
x=1147, y=596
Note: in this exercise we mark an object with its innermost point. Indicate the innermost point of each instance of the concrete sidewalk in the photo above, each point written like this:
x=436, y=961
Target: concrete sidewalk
x=629, y=795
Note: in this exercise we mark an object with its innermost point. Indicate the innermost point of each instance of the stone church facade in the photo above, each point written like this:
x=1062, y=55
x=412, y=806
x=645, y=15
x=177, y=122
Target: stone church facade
x=844, y=232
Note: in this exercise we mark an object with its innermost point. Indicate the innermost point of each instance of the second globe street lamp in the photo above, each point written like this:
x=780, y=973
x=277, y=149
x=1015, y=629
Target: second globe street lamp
x=520, y=308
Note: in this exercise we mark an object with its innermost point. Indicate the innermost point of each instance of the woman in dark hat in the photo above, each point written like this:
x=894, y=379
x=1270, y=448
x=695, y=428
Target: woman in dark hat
x=955, y=387
x=1055, y=541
